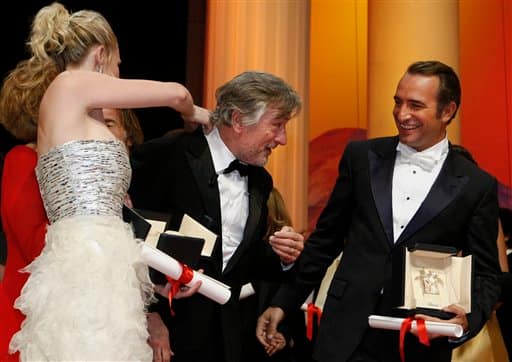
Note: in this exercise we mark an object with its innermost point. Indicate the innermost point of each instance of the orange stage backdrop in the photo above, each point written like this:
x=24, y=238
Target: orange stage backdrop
x=486, y=74
x=339, y=52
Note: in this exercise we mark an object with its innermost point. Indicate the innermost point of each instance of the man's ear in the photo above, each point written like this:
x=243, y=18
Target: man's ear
x=448, y=112
x=236, y=121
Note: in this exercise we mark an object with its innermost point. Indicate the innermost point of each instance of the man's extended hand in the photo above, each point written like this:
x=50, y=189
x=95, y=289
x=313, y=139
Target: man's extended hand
x=277, y=344
x=288, y=244
x=266, y=327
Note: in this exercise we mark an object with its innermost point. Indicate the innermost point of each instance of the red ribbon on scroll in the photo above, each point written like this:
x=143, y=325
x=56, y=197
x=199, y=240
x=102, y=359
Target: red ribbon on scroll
x=406, y=327
x=312, y=311
x=186, y=277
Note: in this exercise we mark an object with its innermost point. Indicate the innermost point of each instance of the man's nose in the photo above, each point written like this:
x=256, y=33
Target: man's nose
x=281, y=137
x=403, y=113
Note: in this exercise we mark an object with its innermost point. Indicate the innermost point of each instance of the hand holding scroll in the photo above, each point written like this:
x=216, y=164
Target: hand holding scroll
x=183, y=292
x=459, y=318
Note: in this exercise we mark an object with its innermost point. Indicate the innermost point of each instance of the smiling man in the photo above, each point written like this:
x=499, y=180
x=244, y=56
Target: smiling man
x=218, y=179
x=392, y=193
x=426, y=100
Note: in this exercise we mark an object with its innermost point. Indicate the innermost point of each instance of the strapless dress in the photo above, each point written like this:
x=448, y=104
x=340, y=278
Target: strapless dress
x=86, y=294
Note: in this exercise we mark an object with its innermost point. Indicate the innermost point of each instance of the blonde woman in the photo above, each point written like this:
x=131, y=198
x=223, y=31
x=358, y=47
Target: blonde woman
x=86, y=294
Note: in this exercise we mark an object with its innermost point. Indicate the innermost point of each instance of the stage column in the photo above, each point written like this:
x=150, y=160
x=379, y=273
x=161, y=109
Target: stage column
x=270, y=36
x=401, y=32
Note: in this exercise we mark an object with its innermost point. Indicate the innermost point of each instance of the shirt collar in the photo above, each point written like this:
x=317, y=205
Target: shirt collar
x=426, y=159
x=221, y=155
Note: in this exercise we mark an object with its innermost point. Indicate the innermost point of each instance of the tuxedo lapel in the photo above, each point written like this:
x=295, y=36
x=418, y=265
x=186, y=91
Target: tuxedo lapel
x=381, y=159
x=201, y=164
x=256, y=200
x=445, y=189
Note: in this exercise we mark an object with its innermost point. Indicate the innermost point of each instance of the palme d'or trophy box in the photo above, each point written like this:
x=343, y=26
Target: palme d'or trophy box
x=433, y=277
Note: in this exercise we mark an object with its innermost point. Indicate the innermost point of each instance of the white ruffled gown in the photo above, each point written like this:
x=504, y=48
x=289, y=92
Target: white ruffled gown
x=86, y=294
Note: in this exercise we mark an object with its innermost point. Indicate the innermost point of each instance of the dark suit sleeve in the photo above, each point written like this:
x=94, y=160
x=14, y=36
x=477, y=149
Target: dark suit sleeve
x=325, y=243
x=481, y=237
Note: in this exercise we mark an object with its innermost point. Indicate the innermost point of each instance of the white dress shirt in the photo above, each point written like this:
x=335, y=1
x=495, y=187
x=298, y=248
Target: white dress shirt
x=413, y=176
x=234, y=197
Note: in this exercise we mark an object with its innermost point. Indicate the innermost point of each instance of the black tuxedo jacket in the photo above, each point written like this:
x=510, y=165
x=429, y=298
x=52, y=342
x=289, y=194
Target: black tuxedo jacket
x=176, y=175
x=461, y=210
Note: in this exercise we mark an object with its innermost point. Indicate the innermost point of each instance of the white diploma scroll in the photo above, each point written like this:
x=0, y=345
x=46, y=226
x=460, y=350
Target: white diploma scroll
x=444, y=329
x=210, y=288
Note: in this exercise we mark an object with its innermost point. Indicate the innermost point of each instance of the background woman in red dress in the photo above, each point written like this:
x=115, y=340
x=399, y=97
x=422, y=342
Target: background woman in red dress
x=23, y=215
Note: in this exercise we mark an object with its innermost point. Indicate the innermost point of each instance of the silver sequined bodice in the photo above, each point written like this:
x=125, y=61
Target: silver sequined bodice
x=88, y=177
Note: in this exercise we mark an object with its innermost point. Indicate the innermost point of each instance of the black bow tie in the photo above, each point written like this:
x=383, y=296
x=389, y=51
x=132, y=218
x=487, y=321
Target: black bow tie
x=242, y=168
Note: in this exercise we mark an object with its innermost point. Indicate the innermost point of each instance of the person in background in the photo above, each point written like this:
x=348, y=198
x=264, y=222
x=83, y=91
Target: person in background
x=23, y=216
x=125, y=125
x=77, y=54
x=219, y=180
x=3, y=242
x=291, y=344
x=392, y=193
x=3, y=252
x=24, y=222
x=504, y=312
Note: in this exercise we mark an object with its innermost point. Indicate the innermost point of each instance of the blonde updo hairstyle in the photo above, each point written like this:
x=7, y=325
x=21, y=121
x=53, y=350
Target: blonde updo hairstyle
x=57, y=39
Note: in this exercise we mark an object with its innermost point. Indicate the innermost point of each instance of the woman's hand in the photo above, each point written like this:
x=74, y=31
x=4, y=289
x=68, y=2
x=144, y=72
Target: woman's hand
x=200, y=115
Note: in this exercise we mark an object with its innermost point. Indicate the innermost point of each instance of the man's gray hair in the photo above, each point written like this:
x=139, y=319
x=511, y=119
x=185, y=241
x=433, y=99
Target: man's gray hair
x=251, y=93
